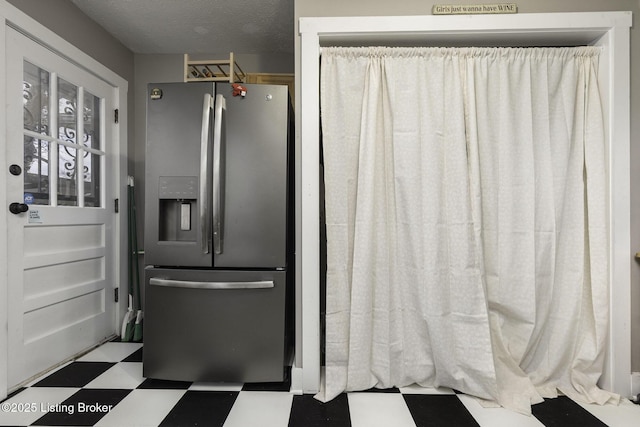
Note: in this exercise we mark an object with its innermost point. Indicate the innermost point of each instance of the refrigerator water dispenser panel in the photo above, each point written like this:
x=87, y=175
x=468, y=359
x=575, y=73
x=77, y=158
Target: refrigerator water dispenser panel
x=177, y=206
x=178, y=187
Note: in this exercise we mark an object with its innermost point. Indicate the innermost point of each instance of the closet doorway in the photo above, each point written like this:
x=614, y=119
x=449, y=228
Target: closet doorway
x=608, y=30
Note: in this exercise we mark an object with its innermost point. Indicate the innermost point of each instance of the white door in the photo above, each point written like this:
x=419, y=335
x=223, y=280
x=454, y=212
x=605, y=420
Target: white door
x=61, y=250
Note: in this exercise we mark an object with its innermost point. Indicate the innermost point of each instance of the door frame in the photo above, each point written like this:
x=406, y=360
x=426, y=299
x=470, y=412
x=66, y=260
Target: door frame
x=11, y=16
x=611, y=30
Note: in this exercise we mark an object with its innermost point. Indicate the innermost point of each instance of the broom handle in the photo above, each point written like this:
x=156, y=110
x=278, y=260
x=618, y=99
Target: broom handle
x=134, y=257
x=130, y=241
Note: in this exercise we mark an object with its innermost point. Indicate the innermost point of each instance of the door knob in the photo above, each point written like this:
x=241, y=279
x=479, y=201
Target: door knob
x=18, y=208
x=15, y=170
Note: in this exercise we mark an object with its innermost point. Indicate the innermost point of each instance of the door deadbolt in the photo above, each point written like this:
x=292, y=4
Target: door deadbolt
x=15, y=170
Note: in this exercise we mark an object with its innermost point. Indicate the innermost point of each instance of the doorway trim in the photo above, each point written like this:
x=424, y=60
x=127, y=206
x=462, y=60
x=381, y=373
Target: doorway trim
x=11, y=16
x=607, y=29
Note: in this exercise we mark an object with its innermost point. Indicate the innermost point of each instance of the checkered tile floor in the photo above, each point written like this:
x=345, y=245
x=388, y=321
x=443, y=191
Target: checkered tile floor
x=106, y=388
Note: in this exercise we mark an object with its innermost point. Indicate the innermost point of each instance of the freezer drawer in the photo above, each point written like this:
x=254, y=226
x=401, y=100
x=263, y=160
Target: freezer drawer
x=214, y=326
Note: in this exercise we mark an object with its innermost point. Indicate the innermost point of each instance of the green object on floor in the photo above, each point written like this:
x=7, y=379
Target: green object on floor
x=128, y=323
x=137, y=330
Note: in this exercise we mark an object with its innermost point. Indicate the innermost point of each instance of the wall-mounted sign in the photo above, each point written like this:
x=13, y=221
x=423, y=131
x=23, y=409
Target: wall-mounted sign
x=474, y=9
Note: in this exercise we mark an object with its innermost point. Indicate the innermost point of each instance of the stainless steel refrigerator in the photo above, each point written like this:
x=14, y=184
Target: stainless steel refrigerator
x=218, y=233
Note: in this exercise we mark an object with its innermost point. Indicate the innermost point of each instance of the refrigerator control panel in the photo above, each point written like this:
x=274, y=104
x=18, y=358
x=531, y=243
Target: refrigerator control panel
x=178, y=187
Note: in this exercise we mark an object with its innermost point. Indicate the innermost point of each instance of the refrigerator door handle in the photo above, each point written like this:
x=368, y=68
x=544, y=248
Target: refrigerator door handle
x=264, y=284
x=204, y=181
x=218, y=165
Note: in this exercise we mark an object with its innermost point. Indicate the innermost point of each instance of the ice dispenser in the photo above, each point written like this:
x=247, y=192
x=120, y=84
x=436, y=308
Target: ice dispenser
x=174, y=233
x=177, y=199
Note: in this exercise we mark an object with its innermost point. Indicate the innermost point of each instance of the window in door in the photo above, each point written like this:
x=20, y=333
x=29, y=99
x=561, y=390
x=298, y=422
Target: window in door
x=63, y=153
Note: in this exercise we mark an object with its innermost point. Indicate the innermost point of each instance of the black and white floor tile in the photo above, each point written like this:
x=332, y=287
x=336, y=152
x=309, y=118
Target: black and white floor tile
x=106, y=388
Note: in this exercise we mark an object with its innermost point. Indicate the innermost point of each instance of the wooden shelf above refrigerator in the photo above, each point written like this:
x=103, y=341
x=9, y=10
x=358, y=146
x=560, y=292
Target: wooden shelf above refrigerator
x=213, y=70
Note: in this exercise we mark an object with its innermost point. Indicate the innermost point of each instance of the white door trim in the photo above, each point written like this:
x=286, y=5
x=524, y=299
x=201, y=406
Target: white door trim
x=608, y=29
x=10, y=15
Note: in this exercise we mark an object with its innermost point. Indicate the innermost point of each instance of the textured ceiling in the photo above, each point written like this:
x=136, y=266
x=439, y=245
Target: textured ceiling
x=196, y=26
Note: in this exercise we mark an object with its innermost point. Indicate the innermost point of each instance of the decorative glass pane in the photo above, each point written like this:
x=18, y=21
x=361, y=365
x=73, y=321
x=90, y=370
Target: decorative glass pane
x=36, y=177
x=67, y=188
x=67, y=131
x=35, y=92
x=92, y=140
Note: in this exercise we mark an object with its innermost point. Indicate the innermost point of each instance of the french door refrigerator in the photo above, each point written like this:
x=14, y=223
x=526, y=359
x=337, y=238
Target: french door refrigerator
x=218, y=233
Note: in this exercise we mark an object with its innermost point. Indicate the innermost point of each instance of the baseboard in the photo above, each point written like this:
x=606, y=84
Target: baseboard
x=297, y=383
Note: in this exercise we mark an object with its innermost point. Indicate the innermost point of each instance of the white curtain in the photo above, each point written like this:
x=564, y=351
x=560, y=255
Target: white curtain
x=466, y=226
